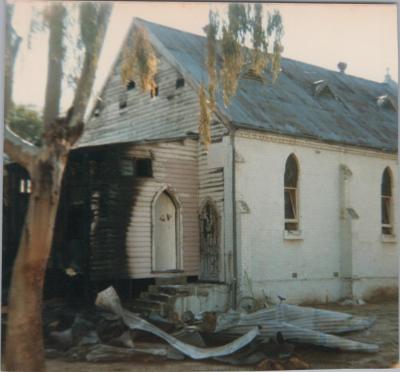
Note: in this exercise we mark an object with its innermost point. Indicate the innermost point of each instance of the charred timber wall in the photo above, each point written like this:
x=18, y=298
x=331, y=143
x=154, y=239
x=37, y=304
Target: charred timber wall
x=174, y=166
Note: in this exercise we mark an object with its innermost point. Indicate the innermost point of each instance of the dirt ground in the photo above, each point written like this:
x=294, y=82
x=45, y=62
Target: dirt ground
x=384, y=333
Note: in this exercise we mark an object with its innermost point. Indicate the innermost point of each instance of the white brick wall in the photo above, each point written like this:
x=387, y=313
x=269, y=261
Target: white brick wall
x=269, y=259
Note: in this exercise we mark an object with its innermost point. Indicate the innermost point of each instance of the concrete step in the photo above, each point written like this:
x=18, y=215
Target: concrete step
x=146, y=306
x=174, y=290
x=161, y=297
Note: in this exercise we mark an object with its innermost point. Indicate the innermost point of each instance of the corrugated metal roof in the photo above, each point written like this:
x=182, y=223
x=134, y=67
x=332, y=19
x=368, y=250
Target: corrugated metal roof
x=289, y=106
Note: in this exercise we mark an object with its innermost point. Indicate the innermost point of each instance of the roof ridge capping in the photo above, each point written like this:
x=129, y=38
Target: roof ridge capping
x=142, y=22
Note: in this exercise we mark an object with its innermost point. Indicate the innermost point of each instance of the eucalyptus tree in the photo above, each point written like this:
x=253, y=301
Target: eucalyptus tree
x=244, y=43
x=46, y=164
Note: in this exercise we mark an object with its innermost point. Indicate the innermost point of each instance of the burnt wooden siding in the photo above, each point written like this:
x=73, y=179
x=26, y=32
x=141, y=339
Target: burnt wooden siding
x=171, y=114
x=175, y=165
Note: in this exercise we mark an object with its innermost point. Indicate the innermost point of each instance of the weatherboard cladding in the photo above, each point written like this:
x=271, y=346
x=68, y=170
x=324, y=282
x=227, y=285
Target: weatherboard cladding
x=175, y=164
x=171, y=114
x=287, y=107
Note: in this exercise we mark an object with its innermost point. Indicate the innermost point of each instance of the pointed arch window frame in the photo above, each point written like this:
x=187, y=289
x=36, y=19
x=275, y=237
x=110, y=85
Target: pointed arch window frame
x=291, y=197
x=387, y=207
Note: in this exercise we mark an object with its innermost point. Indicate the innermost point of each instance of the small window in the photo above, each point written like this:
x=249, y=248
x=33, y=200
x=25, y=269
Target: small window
x=126, y=167
x=386, y=203
x=143, y=168
x=180, y=83
x=154, y=92
x=25, y=186
x=131, y=85
x=290, y=194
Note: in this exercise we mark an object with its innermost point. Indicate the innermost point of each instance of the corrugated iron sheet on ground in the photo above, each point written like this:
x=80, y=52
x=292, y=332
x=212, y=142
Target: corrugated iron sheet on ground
x=299, y=324
x=109, y=300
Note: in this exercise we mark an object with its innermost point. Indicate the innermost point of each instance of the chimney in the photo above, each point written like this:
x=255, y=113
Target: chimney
x=342, y=67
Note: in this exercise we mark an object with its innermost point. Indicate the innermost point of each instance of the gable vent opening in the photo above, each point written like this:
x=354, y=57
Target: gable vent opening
x=98, y=107
x=130, y=85
x=154, y=92
x=180, y=83
x=387, y=102
x=123, y=101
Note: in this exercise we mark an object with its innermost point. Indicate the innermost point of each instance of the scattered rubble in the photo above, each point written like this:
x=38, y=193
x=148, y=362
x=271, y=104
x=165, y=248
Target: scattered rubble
x=349, y=301
x=264, y=339
x=109, y=300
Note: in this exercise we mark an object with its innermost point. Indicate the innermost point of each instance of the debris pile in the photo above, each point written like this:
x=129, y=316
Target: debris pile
x=264, y=339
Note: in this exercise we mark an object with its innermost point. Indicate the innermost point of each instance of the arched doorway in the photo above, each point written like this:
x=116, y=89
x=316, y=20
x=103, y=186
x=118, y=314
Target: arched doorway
x=165, y=237
x=209, y=243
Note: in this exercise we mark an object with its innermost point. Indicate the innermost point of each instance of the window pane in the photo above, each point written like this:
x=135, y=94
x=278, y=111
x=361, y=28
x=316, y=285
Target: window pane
x=290, y=204
x=385, y=211
x=291, y=172
x=386, y=183
x=144, y=168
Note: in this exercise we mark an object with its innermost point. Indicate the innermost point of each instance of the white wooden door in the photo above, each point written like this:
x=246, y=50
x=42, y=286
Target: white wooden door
x=165, y=234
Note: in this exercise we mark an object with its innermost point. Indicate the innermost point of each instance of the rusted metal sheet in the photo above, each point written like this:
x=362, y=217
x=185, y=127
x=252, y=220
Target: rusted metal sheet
x=109, y=300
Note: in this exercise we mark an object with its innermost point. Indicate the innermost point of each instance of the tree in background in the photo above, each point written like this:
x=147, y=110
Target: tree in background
x=46, y=164
x=230, y=37
x=26, y=123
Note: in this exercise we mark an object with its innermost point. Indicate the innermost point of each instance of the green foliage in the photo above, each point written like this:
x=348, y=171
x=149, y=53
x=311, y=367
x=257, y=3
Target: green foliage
x=238, y=21
x=232, y=64
x=243, y=22
x=275, y=29
x=27, y=123
x=88, y=17
x=260, y=44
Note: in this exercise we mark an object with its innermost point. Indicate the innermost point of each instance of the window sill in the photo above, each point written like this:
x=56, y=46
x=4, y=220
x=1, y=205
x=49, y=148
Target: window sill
x=293, y=235
x=386, y=238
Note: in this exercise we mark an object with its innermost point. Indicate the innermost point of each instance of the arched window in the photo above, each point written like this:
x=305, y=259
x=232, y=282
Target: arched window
x=386, y=202
x=291, y=195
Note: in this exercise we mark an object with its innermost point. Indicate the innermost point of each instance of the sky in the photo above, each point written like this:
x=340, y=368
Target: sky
x=362, y=35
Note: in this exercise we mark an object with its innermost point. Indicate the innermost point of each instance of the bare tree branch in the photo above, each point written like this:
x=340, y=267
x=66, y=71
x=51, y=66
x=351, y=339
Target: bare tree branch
x=12, y=46
x=57, y=14
x=19, y=150
x=92, y=54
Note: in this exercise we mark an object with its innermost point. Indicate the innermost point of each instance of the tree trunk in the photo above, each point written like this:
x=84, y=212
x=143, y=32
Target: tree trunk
x=25, y=300
x=24, y=343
